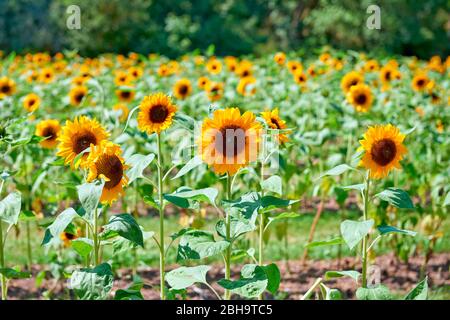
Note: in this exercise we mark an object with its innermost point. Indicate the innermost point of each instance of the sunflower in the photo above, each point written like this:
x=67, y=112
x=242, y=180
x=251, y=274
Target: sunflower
x=389, y=73
x=67, y=237
x=156, y=113
x=182, y=88
x=246, y=86
x=351, y=79
x=49, y=129
x=325, y=57
x=294, y=66
x=311, y=71
x=229, y=141
x=32, y=76
x=77, y=94
x=383, y=146
x=244, y=69
x=231, y=63
x=203, y=82
x=163, y=70
x=214, y=66
x=31, y=102
x=7, y=87
x=214, y=90
x=78, y=81
x=420, y=81
x=122, y=78
x=300, y=78
x=274, y=121
x=371, y=65
x=77, y=136
x=125, y=95
x=280, y=58
x=360, y=97
x=105, y=162
x=47, y=75
x=125, y=111
x=135, y=72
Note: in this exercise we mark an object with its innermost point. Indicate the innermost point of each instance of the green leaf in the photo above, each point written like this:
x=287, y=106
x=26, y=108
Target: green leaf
x=125, y=226
x=346, y=273
x=27, y=215
x=285, y=215
x=360, y=187
x=446, y=200
x=271, y=201
x=133, y=292
x=354, y=231
x=239, y=225
x=336, y=171
x=184, y=277
x=10, y=208
x=419, y=292
x=184, y=195
x=191, y=164
x=138, y=163
x=379, y=292
x=82, y=246
x=273, y=277
x=89, y=195
x=272, y=184
x=330, y=294
x=151, y=201
x=198, y=244
x=396, y=197
x=383, y=229
x=92, y=284
x=59, y=225
x=331, y=242
x=14, y=274
x=252, y=283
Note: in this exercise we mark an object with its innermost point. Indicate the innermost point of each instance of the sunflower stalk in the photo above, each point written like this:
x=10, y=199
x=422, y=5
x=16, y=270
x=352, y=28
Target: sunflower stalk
x=227, y=294
x=365, y=252
x=162, y=254
x=2, y=254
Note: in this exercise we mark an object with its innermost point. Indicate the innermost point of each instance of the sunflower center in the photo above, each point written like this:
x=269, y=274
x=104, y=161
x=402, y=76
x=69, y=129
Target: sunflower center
x=388, y=75
x=78, y=97
x=158, y=113
x=50, y=133
x=111, y=167
x=275, y=122
x=383, y=151
x=245, y=73
x=230, y=140
x=84, y=141
x=70, y=236
x=420, y=82
x=183, y=90
x=125, y=94
x=5, y=88
x=361, y=99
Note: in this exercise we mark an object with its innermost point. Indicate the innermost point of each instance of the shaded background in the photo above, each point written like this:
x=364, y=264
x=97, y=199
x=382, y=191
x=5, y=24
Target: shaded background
x=173, y=27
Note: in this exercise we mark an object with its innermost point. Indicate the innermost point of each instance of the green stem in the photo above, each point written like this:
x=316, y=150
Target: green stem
x=162, y=254
x=29, y=255
x=2, y=255
x=227, y=294
x=95, y=236
x=366, y=237
x=261, y=228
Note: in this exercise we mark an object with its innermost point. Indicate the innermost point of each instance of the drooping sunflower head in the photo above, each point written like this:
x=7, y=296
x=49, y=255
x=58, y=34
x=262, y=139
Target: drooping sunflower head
x=7, y=87
x=383, y=149
x=351, y=79
x=273, y=121
x=125, y=95
x=49, y=129
x=203, y=82
x=77, y=136
x=156, y=113
x=360, y=97
x=229, y=140
x=280, y=58
x=77, y=94
x=182, y=88
x=105, y=162
x=124, y=111
x=214, y=66
x=31, y=102
x=246, y=86
x=214, y=90
x=420, y=81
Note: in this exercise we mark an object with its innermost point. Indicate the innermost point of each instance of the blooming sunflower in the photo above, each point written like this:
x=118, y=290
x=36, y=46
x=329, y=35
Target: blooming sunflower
x=31, y=102
x=47, y=75
x=49, y=129
x=135, y=72
x=294, y=66
x=214, y=66
x=125, y=111
x=231, y=63
x=214, y=90
x=77, y=95
x=203, y=82
x=105, y=162
x=383, y=149
x=156, y=113
x=7, y=87
x=420, y=81
x=360, y=97
x=244, y=69
x=67, y=237
x=77, y=136
x=182, y=88
x=229, y=141
x=274, y=121
x=122, y=78
x=125, y=95
x=163, y=70
x=371, y=65
x=280, y=58
x=351, y=79
x=300, y=78
x=246, y=86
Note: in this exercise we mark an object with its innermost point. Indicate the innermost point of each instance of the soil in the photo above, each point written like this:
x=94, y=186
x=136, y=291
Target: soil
x=399, y=277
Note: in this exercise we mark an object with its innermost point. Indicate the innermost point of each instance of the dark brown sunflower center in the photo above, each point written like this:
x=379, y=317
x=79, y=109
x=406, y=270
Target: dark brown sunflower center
x=245, y=73
x=84, y=141
x=383, y=151
x=420, y=82
x=70, y=236
x=352, y=83
x=230, y=140
x=5, y=88
x=387, y=76
x=79, y=97
x=50, y=133
x=111, y=167
x=125, y=94
x=158, y=114
x=275, y=122
x=183, y=90
x=361, y=99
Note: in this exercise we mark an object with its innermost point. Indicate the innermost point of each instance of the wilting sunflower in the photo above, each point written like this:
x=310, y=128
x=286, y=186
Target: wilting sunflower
x=294, y=66
x=31, y=102
x=203, y=82
x=246, y=86
x=214, y=90
x=77, y=136
x=125, y=95
x=360, y=97
x=182, y=88
x=280, y=58
x=383, y=146
x=229, y=141
x=105, y=162
x=420, y=81
x=351, y=79
x=156, y=113
x=49, y=129
x=7, y=87
x=77, y=94
x=125, y=111
x=274, y=121
x=214, y=66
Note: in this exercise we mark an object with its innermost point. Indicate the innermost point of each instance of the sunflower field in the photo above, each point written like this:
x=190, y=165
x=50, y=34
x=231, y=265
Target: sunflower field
x=321, y=175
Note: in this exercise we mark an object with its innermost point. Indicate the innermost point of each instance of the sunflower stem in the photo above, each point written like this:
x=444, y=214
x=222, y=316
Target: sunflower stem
x=261, y=227
x=2, y=255
x=95, y=236
x=161, y=220
x=227, y=294
x=364, y=252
